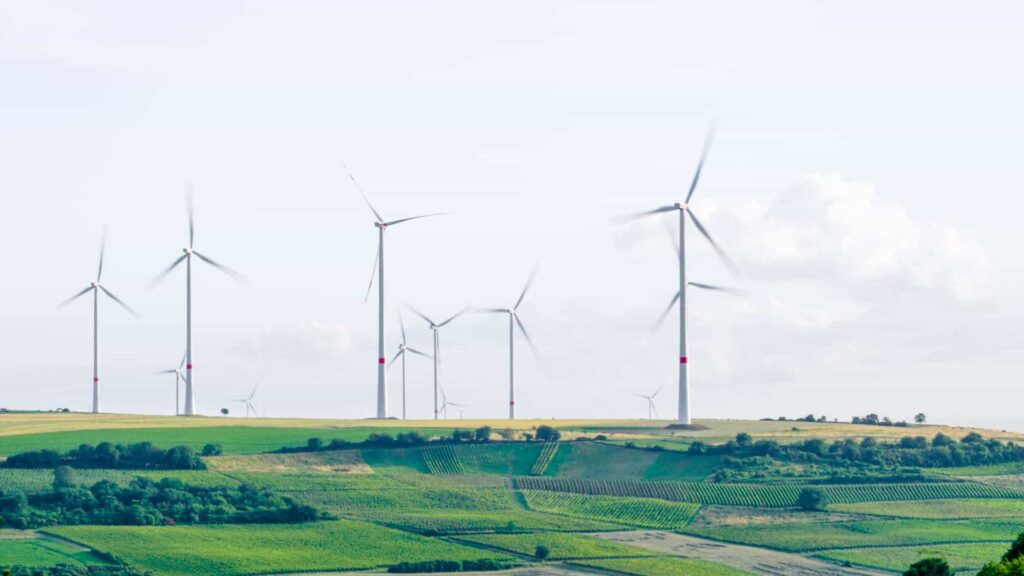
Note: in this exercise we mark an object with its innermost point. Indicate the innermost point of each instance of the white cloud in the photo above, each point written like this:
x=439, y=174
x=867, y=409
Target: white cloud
x=834, y=229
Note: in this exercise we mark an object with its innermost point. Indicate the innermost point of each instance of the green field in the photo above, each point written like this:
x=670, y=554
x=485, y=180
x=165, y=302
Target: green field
x=938, y=509
x=561, y=546
x=229, y=550
x=664, y=567
x=814, y=536
x=967, y=558
x=32, y=549
x=640, y=512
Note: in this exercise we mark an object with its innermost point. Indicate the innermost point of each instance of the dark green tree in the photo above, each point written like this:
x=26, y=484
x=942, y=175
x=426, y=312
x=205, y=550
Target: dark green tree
x=63, y=478
x=541, y=552
x=811, y=499
x=929, y=567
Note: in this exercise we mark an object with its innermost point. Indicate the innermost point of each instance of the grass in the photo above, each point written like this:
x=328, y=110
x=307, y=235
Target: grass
x=813, y=536
x=442, y=459
x=31, y=549
x=640, y=512
x=337, y=461
x=664, y=566
x=561, y=546
x=259, y=549
x=503, y=459
x=961, y=557
x=938, y=509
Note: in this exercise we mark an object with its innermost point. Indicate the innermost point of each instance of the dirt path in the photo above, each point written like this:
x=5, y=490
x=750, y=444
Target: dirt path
x=757, y=560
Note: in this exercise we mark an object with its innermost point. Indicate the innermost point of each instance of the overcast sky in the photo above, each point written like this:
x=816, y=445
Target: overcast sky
x=866, y=179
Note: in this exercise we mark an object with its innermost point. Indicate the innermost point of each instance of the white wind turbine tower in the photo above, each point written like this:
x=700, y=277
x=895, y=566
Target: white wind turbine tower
x=189, y=252
x=378, y=267
x=651, y=410
x=445, y=404
x=513, y=321
x=96, y=288
x=178, y=375
x=403, y=349
x=435, y=326
x=249, y=406
x=685, y=211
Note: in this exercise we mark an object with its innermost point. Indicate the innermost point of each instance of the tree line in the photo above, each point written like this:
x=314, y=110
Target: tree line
x=138, y=456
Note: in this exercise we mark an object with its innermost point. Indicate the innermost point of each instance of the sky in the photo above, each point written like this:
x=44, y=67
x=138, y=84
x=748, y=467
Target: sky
x=865, y=178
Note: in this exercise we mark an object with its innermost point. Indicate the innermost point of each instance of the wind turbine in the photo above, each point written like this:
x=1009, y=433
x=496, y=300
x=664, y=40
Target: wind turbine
x=96, y=288
x=178, y=375
x=378, y=267
x=189, y=252
x=684, y=210
x=404, y=348
x=435, y=326
x=445, y=404
x=651, y=410
x=513, y=321
x=249, y=406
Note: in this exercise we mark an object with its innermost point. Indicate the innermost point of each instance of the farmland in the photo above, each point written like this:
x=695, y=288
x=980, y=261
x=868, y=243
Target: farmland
x=609, y=496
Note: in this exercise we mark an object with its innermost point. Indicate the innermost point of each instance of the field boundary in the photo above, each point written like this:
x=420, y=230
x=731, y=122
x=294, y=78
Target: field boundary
x=547, y=454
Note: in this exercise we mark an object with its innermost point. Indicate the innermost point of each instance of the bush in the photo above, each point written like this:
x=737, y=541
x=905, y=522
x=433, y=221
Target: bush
x=929, y=567
x=811, y=499
x=212, y=450
x=547, y=434
x=541, y=552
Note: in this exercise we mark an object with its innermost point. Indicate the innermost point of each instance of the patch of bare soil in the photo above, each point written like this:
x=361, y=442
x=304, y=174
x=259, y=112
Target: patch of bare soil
x=756, y=560
x=338, y=461
x=734, y=516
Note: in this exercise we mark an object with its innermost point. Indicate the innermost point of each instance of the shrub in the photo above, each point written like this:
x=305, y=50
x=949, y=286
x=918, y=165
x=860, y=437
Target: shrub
x=929, y=567
x=541, y=552
x=212, y=450
x=811, y=499
x=547, y=434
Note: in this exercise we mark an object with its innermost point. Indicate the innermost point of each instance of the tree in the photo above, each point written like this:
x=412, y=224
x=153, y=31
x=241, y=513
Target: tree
x=483, y=434
x=63, y=478
x=929, y=567
x=811, y=499
x=1016, y=549
x=744, y=439
x=225, y=411
x=547, y=434
x=920, y=418
x=213, y=450
x=541, y=552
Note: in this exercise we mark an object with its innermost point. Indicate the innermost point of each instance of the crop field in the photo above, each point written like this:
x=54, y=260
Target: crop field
x=814, y=536
x=340, y=461
x=664, y=566
x=961, y=557
x=642, y=512
x=547, y=454
x=938, y=509
x=765, y=495
x=33, y=549
x=511, y=459
x=254, y=549
x=562, y=546
x=442, y=460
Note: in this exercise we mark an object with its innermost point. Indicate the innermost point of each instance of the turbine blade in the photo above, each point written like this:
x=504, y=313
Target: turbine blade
x=421, y=315
x=395, y=357
x=529, y=282
x=164, y=274
x=373, y=273
x=361, y=193
x=393, y=222
x=415, y=351
x=709, y=138
x=103, y=250
x=401, y=325
x=166, y=372
x=454, y=316
x=533, y=348
x=645, y=214
x=253, y=392
x=182, y=364
x=76, y=296
x=190, y=199
x=491, y=310
x=656, y=391
x=672, y=234
x=726, y=289
x=235, y=275
x=718, y=249
x=664, y=314
x=119, y=301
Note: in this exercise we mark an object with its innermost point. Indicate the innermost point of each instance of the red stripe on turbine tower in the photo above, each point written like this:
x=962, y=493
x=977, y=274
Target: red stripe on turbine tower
x=95, y=379
x=682, y=359
x=189, y=366
x=380, y=360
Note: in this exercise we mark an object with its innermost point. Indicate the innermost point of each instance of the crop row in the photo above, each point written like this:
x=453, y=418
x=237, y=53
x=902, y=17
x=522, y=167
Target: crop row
x=544, y=458
x=764, y=495
x=442, y=460
x=642, y=512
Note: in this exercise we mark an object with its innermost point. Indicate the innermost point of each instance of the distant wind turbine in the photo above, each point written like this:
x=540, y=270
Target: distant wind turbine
x=513, y=321
x=96, y=288
x=189, y=252
x=378, y=267
x=249, y=406
x=685, y=211
x=435, y=326
x=445, y=404
x=178, y=375
x=651, y=410
x=403, y=349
